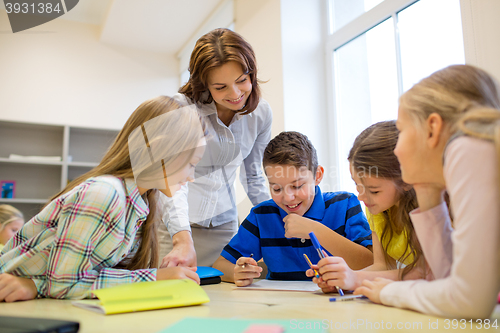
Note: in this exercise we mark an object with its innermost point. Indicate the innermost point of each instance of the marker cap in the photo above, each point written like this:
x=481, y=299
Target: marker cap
x=315, y=241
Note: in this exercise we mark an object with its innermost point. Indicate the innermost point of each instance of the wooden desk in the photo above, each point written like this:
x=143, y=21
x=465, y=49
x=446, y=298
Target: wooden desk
x=359, y=315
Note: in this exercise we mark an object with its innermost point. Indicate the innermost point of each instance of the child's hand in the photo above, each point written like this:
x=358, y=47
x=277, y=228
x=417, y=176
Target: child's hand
x=319, y=281
x=245, y=270
x=14, y=288
x=372, y=289
x=334, y=271
x=178, y=272
x=297, y=226
x=428, y=195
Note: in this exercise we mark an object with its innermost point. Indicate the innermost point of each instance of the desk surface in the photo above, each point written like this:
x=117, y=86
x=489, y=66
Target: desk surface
x=226, y=302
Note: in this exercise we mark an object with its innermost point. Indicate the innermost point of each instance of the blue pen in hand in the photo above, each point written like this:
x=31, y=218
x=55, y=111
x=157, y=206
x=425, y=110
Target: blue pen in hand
x=318, y=248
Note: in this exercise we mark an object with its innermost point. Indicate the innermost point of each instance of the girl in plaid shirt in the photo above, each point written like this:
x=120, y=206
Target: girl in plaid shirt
x=100, y=231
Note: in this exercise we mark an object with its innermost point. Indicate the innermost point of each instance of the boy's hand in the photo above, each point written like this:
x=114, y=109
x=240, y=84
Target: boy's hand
x=298, y=226
x=245, y=270
x=14, y=288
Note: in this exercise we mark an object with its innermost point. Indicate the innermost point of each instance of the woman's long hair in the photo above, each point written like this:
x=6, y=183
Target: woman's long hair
x=213, y=50
x=182, y=129
x=373, y=150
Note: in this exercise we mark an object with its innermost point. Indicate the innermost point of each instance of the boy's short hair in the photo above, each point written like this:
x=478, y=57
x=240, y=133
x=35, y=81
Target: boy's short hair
x=291, y=148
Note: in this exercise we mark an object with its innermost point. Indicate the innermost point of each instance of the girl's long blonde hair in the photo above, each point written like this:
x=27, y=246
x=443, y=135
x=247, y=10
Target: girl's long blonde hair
x=373, y=151
x=466, y=97
x=183, y=128
x=9, y=214
x=468, y=100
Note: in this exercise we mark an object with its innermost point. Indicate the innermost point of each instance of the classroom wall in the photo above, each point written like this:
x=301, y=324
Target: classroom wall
x=303, y=31
x=481, y=29
x=291, y=57
x=60, y=73
x=259, y=22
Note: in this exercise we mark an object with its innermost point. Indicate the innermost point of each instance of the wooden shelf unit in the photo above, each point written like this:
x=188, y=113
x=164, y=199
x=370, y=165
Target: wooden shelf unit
x=80, y=150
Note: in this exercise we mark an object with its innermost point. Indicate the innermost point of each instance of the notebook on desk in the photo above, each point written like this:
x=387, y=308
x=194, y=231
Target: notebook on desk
x=36, y=325
x=143, y=296
x=208, y=275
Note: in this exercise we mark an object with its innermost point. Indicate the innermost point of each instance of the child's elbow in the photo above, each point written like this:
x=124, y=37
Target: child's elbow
x=484, y=313
x=481, y=309
x=475, y=305
x=368, y=259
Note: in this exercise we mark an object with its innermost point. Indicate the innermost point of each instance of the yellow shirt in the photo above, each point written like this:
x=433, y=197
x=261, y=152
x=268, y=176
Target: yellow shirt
x=397, y=245
x=1, y=247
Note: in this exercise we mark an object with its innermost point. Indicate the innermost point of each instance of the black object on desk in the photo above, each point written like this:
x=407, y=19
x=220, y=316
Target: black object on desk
x=210, y=280
x=209, y=275
x=36, y=325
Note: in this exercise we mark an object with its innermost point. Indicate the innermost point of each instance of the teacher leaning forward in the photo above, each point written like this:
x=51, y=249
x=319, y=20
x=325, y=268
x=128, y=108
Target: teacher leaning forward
x=224, y=86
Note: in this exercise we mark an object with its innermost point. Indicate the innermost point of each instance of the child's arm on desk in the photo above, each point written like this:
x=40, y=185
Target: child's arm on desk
x=14, y=288
x=335, y=271
x=242, y=273
x=355, y=255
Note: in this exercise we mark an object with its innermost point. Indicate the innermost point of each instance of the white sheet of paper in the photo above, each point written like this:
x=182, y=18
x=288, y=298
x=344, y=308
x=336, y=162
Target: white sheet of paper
x=281, y=285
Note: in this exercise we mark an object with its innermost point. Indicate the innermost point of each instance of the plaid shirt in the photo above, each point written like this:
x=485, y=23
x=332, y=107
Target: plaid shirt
x=72, y=245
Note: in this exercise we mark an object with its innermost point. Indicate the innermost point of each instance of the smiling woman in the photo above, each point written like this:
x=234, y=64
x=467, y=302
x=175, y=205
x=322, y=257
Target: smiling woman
x=230, y=88
x=223, y=84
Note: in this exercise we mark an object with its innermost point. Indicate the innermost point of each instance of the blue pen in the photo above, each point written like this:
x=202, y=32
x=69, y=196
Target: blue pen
x=318, y=248
x=347, y=298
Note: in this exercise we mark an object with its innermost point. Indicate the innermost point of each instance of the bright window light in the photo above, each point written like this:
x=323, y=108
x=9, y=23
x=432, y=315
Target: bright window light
x=366, y=88
x=430, y=34
x=344, y=11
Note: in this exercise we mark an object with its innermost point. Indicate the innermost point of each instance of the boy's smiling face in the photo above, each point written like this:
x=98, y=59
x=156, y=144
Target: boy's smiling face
x=292, y=188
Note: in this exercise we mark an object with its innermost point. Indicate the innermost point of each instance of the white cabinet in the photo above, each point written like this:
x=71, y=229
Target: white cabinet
x=37, y=179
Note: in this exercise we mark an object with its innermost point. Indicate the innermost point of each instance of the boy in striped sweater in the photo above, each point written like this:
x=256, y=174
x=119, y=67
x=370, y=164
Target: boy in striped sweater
x=278, y=230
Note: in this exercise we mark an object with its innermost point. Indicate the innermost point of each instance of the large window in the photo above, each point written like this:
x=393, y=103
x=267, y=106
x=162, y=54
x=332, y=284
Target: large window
x=384, y=48
x=344, y=11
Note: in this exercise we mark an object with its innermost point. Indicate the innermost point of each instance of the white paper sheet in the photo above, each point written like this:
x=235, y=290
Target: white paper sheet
x=281, y=285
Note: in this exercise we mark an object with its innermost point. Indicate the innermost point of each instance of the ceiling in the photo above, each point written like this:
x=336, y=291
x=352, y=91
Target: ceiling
x=155, y=25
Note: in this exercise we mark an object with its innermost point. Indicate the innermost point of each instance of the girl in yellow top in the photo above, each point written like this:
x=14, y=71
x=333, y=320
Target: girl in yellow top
x=388, y=200
x=11, y=220
x=397, y=246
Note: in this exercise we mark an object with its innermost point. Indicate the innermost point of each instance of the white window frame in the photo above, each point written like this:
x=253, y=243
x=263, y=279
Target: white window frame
x=342, y=36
